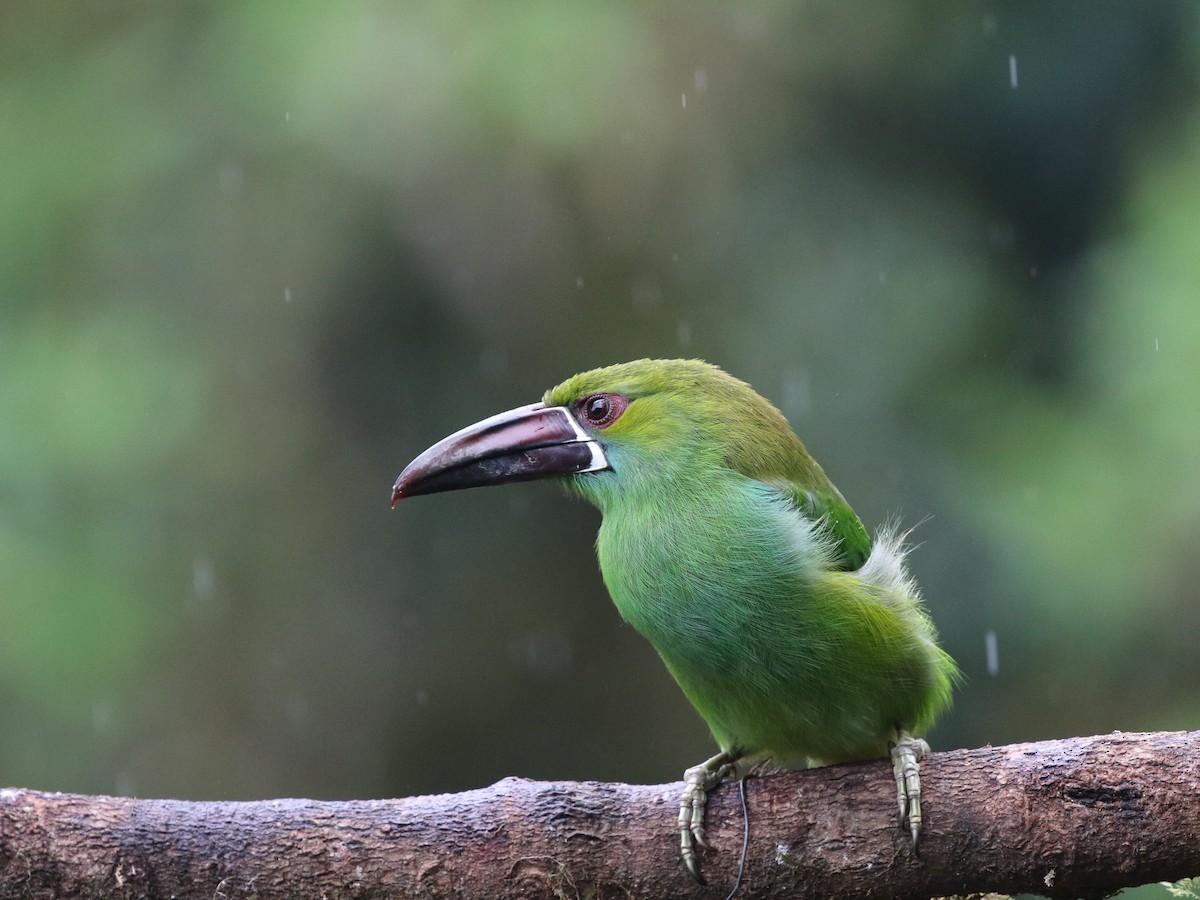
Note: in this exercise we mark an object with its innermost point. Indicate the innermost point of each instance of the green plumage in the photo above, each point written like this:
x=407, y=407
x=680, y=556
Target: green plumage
x=724, y=543
x=796, y=637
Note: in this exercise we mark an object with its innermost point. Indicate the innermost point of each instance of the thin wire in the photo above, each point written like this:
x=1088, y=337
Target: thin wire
x=745, y=837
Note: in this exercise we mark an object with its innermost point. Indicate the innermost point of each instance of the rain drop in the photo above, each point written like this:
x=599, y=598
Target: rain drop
x=992, y=651
x=544, y=652
x=1012, y=70
x=124, y=784
x=203, y=578
x=102, y=716
x=296, y=710
x=1002, y=236
x=796, y=395
x=230, y=175
x=646, y=293
x=493, y=362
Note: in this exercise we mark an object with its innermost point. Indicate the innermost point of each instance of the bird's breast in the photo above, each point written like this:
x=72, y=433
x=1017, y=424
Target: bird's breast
x=706, y=578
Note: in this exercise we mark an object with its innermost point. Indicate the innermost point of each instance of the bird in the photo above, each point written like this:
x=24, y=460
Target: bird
x=798, y=638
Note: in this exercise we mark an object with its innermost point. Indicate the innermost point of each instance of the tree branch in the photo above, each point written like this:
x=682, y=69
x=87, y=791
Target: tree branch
x=1071, y=818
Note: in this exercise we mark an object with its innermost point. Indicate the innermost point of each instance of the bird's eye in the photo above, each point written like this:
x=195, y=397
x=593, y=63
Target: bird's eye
x=601, y=410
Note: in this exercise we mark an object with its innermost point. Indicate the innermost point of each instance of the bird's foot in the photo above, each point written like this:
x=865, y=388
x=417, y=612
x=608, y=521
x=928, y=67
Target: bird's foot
x=907, y=753
x=697, y=782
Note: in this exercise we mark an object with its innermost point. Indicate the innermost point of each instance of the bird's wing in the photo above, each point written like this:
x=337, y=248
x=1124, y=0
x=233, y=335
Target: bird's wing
x=851, y=541
x=761, y=445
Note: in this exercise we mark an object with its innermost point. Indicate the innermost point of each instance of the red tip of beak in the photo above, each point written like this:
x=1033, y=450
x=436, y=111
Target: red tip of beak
x=397, y=494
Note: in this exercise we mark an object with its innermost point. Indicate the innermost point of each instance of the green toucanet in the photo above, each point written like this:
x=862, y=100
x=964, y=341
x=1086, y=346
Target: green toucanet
x=796, y=637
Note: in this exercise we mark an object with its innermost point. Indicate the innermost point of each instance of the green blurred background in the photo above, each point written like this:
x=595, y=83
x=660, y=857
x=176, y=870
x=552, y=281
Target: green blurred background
x=255, y=256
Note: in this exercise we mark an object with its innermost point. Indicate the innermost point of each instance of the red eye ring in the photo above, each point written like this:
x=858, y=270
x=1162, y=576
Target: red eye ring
x=600, y=410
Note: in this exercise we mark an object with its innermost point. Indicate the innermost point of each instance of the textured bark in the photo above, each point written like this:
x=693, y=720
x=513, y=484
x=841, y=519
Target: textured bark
x=1071, y=818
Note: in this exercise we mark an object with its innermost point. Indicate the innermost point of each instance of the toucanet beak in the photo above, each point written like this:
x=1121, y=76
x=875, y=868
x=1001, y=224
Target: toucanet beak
x=521, y=444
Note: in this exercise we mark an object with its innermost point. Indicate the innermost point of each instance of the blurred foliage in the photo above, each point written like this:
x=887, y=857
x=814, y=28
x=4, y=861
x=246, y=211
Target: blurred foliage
x=254, y=257
x=1188, y=888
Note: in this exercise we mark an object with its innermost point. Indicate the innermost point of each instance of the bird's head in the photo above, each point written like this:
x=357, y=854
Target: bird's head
x=617, y=429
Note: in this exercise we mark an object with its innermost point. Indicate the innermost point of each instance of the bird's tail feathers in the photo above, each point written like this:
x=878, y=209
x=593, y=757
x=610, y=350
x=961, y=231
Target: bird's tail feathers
x=887, y=566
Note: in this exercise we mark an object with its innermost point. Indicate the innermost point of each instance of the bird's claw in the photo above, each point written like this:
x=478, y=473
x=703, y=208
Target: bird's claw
x=697, y=782
x=907, y=753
